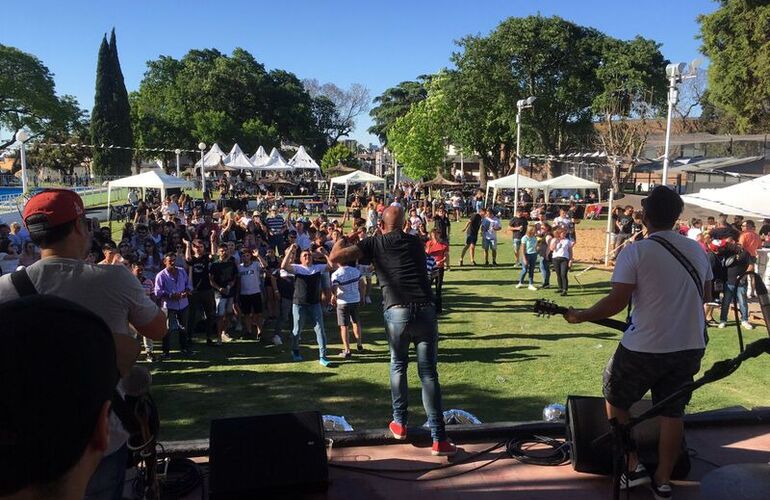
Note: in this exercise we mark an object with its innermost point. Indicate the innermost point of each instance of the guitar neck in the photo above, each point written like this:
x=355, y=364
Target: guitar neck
x=609, y=323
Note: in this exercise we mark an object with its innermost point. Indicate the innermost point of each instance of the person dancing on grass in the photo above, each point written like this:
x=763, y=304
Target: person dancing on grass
x=410, y=318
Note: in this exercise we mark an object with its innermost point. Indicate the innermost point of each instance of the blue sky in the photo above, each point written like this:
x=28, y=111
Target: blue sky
x=377, y=44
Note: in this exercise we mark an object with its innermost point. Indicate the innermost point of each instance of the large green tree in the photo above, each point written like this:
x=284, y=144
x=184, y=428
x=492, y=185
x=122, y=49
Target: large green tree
x=214, y=97
x=338, y=154
x=111, y=116
x=347, y=105
x=28, y=98
x=736, y=39
x=394, y=103
x=419, y=138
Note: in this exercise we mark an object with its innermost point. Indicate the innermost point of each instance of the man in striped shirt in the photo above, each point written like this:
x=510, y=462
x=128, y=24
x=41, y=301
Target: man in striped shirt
x=276, y=224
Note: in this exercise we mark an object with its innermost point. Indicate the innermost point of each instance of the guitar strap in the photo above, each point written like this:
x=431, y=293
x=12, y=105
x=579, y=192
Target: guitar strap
x=24, y=287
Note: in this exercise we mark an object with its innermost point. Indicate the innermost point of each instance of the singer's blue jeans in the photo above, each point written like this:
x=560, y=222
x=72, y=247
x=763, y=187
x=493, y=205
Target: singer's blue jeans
x=730, y=292
x=416, y=325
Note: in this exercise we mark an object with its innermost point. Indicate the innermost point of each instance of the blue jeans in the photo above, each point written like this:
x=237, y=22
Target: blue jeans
x=313, y=312
x=107, y=481
x=727, y=300
x=530, y=261
x=545, y=269
x=417, y=325
x=176, y=321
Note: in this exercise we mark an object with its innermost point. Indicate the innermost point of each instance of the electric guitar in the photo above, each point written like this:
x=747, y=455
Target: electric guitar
x=545, y=307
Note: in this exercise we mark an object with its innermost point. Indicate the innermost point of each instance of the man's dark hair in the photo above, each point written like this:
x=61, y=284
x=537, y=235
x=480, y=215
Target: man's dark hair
x=51, y=235
x=53, y=385
x=662, y=207
x=221, y=246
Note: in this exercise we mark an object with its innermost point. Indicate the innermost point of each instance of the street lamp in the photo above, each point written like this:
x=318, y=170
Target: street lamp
x=22, y=136
x=675, y=74
x=520, y=104
x=178, y=152
x=202, y=147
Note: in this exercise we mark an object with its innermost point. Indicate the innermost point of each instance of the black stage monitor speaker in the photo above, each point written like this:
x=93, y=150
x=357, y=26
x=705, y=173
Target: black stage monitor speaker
x=587, y=420
x=267, y=455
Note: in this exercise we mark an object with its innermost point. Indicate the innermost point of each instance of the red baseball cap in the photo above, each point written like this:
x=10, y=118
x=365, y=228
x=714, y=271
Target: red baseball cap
x=59, y=206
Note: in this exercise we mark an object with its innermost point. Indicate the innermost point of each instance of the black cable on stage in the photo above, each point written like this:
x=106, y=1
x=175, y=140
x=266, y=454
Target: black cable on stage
x=182, y=476
x=521, y=450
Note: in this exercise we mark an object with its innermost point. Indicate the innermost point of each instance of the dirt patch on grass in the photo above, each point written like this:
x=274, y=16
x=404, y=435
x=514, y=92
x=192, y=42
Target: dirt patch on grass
x=590, y=245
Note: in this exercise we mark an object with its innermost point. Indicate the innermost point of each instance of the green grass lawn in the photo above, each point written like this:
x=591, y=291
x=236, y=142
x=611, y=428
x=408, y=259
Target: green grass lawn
x=496, y=360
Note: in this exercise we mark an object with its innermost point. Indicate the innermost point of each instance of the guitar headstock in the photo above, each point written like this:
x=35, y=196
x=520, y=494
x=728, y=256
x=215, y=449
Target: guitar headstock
x=544, y=307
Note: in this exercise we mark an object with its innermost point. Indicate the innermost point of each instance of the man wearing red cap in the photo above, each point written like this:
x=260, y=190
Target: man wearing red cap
x=56, y=222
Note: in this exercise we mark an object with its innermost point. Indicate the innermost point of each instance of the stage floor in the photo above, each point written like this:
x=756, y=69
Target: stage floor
x=506, y=478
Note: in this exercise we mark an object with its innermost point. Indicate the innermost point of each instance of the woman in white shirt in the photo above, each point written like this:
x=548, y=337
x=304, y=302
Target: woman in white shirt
x=561, y=251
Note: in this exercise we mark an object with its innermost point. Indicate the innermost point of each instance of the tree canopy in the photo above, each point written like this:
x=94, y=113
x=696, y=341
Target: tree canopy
x=214, y=97
x=336, y=108
x=338, y=154
x=736, y=39
x=28, y=97
x=395, y=103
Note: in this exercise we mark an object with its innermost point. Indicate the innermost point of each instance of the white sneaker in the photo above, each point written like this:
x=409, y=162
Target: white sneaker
x=520, y=285
x=722, y=325
x=277, y=340
x=747, y=325
x=532, y=287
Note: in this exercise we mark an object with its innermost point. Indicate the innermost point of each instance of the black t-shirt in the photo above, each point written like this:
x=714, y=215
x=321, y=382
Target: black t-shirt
x=441, y=224
x=223, y=274
x=285, y=284
x=738, y=266
x=475, y=225
x=199, y=272
x=307, y=286
x=516, y=222
x=400, y=262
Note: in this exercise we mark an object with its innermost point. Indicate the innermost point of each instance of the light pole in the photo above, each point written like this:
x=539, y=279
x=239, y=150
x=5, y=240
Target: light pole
x=520, y=104
x=178, y=171
x=675, y=74
x=202, y=147
x=22, y=136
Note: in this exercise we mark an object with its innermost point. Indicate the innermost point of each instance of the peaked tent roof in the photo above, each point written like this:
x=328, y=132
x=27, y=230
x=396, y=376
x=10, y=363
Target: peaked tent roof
x=236, y=158
x=440, y=182
x=568, y=181
x=260, y=157
x=359, y=176
x=509, y=182
x=157, y=179
x=213, y=157
x=746, y=198
x=302, y=160
x=276, y=162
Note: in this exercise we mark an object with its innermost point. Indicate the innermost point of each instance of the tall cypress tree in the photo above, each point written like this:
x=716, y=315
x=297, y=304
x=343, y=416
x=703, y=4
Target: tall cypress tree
x=123, y=133
x=111, y=117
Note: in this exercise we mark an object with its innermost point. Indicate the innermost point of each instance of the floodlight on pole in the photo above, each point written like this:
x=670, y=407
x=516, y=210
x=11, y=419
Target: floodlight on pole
x=178, y=152
x=520, y=104
x=202, y=147
x=22, y=136
x=675, y=74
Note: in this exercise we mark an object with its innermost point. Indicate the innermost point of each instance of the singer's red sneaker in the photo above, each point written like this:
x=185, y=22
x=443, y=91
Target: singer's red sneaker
x=445, y=448
x=398, y=430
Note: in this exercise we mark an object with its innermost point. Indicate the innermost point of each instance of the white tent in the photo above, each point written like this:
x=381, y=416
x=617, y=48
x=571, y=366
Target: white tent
x=276, y=162
x=509, y=182
x=357, y=177
x=568, y=181
x=237, y=159
x=302, y=161
x=213, y=158
x=157, y=179
x=749, y=199
x=260, y=157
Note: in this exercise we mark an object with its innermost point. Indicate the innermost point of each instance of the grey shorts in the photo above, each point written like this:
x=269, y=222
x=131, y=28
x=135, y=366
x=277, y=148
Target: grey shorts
x=347, y=314
x=630, y=374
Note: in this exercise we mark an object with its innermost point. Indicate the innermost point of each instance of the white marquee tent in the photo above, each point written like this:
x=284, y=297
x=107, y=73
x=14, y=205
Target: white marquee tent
x=237, y=159
x=302, y=161
x=509, y=182
x=357, y=177
x=568, y=181
x=260, y=157
x=213, y=158
x=276, y=163
x=749, y=198
x=156, y=179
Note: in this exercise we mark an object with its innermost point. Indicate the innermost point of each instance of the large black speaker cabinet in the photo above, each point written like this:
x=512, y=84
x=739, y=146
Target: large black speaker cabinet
x=267, y=456
x=587, y=420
